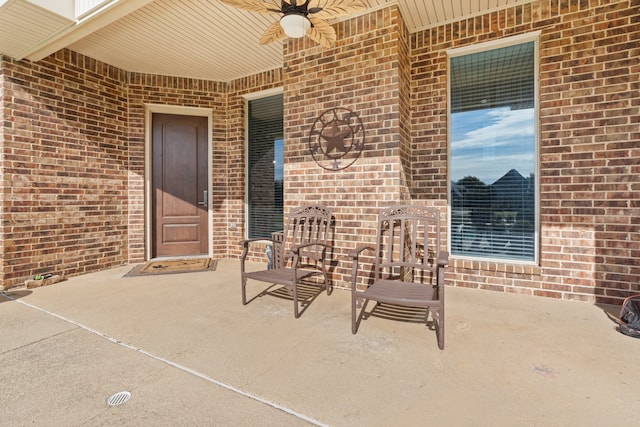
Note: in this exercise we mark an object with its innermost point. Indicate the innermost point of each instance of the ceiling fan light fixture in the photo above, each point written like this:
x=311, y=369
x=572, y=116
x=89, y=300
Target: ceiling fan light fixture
x=294, y=25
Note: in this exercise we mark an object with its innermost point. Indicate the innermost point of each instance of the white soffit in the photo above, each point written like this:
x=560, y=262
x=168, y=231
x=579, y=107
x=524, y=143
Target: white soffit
x=423, y=14
x=186, y=38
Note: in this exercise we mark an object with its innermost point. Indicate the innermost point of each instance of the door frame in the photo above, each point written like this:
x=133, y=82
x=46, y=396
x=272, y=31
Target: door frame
x=149, y=109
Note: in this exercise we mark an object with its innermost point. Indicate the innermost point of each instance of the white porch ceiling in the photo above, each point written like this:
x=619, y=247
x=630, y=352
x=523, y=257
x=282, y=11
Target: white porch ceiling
x=187, y=38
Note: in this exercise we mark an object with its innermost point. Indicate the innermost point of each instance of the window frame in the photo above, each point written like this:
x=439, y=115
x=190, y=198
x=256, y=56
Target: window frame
x=247, y=98
x=483, y=47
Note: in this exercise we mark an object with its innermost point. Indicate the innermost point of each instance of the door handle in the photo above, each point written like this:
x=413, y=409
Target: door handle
x=205, y=197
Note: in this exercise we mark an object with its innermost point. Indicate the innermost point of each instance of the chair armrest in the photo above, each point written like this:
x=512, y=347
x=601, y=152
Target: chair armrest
x=296, y=248
x=246, y=242
x=443, y=259
x=358, y=250
x=355, y=255
x=245, y=248
x=317, y=254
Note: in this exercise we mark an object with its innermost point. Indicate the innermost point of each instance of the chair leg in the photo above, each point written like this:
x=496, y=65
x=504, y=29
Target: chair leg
x=441, y=333
x=354, y=326
x=439, y=319
x=244, y=290
x=356, y=319
x=296, y=312
x=327, y=284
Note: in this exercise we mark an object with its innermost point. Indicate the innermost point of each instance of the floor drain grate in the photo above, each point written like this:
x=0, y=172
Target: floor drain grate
x=118, y=398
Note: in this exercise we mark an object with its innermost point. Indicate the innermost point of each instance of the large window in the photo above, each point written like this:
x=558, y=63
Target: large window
x=265, y=161
x=493, y=153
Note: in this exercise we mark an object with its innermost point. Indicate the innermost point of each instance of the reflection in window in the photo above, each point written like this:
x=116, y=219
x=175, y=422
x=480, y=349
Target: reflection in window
x=265, y=164
x=492, y=152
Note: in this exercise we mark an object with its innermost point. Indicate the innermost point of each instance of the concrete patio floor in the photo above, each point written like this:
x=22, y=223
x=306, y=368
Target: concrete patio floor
x=192, y=355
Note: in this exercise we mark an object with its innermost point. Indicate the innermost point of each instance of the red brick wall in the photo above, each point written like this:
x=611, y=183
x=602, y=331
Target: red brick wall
x=589, y=144
x=360, y=73
x=3, y=123
x=228, y=142
x=64, y=151
x=72, y=181
x=184, y=92
x=72, y=139
x=404, y=103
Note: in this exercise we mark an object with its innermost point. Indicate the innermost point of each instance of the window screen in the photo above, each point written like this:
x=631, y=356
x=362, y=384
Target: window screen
x=265, y=166
x=492, y=152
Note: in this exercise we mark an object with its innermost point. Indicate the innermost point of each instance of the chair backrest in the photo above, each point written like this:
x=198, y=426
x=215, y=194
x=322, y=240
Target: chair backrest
x=307, y=224
x=408, y=243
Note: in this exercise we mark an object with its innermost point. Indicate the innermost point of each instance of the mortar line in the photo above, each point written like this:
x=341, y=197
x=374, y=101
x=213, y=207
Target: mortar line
x=173, y=364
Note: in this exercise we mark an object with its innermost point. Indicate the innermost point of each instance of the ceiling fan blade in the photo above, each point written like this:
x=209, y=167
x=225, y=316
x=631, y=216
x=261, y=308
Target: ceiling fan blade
x=321, y=32
x=252, y=5
x=336, y=8
x=273, y=33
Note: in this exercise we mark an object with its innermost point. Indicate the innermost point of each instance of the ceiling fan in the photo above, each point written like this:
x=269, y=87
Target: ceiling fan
x=301, y=17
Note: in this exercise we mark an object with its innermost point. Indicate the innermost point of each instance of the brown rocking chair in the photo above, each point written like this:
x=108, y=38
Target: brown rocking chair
x=407, y=266
x=299, y=253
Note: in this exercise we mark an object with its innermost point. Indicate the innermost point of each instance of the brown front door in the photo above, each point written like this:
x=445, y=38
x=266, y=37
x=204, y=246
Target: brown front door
x=179, y=149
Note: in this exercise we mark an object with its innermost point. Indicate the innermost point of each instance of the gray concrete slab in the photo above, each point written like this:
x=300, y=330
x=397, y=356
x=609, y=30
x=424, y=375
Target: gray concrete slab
x=191, y=354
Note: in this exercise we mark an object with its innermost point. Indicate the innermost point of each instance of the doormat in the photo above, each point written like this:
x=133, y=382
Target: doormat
x=172, y=266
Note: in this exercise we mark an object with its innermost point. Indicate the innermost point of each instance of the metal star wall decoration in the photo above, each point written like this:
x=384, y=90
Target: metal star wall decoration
x=336, y=139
